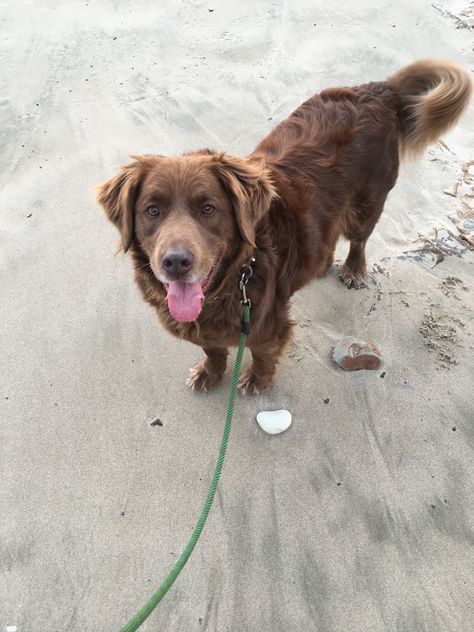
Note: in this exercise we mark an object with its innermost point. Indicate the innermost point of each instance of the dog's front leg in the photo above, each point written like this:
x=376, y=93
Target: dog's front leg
x=208, y=374
x=265, y=355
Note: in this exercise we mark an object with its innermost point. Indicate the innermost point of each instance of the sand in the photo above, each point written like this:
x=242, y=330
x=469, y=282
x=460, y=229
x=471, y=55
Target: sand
x=361, y=516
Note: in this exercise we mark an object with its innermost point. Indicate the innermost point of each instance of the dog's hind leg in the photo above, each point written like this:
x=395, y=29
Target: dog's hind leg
x=358, y=224
x=354, y=270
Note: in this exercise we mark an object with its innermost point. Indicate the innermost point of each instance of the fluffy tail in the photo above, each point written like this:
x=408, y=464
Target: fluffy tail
x=433, y=94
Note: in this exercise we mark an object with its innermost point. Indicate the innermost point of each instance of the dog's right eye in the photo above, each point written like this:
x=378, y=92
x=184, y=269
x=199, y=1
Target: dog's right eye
x=153, y=211
x=207, y=209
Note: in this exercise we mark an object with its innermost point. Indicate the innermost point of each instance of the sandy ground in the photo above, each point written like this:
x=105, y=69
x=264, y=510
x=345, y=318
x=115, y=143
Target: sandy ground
x=361, y=516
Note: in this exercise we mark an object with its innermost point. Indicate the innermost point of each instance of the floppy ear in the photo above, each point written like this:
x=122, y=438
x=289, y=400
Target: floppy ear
x=117, y=197
x=250, y=188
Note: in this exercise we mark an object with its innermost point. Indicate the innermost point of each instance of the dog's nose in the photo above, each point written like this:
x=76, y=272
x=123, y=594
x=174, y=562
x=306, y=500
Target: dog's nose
x=177, y=262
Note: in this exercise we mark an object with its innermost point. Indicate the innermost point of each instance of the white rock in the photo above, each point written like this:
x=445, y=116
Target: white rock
x=274, y=421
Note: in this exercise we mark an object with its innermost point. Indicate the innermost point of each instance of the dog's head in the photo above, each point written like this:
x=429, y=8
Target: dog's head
x=190, y=215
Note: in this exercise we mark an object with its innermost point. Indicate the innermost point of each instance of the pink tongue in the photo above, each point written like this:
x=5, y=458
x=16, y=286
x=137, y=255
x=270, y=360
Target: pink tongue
x=184, y=300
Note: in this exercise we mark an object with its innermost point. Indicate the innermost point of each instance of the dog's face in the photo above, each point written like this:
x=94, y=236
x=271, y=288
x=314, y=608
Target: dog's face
x=190, y=215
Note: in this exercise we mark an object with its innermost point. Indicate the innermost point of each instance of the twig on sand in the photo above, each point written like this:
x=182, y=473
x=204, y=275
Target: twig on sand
x=459, y=22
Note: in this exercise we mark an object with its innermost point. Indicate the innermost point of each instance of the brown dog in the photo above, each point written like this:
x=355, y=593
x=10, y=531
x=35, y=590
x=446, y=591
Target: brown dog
x=192, y=221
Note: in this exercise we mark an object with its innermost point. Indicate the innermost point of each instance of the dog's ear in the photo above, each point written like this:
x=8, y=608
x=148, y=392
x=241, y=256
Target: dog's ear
x=117, y=197
x=250, y=188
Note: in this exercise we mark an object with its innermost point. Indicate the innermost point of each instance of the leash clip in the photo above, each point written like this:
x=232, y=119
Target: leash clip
x=247, y=272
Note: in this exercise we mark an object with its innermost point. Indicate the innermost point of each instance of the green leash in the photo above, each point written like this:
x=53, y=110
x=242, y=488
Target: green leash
x=136, y=621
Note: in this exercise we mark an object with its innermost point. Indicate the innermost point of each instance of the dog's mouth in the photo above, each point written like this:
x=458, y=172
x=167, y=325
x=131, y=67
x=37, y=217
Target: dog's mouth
x=185, y=298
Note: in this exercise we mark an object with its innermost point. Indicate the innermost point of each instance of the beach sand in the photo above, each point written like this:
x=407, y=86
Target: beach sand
x=361, y=516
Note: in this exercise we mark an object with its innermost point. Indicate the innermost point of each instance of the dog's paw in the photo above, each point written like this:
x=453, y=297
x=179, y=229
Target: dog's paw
x=252, y=384
x=200, y=379
x=353, y=279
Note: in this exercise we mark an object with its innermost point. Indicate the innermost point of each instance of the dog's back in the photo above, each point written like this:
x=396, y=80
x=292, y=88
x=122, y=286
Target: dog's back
x=336, y=157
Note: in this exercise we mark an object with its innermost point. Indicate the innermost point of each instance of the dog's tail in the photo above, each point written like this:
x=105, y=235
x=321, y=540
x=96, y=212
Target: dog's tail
x=433, y=94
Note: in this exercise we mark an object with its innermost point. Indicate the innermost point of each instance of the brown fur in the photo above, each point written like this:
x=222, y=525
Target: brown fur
x=433, y=95
x=322, y=173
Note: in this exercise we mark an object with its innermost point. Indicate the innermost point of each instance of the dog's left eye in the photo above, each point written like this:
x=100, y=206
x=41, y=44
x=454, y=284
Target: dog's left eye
x=207, y=209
